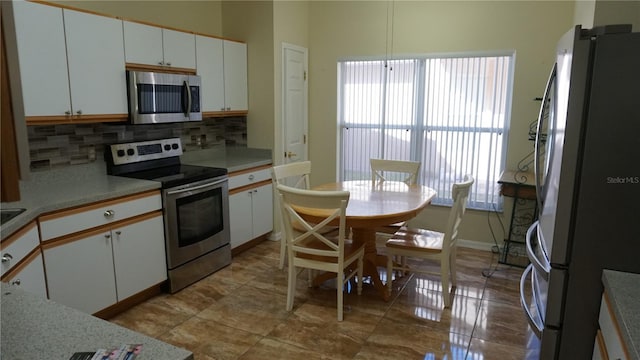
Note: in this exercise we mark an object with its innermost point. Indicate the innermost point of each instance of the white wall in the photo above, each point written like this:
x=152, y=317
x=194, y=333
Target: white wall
x=341, y=29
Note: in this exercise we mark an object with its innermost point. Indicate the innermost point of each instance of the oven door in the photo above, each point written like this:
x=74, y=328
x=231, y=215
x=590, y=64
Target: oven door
x=196, y=219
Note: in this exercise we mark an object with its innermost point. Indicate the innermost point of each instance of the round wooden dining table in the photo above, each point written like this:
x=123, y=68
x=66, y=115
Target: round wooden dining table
x=372, y=205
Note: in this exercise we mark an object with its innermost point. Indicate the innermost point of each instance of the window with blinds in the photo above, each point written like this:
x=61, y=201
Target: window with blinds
x=449, y=112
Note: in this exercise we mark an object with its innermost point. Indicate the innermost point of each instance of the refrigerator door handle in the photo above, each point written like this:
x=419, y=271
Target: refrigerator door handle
x=535, y=322
x=542, y=268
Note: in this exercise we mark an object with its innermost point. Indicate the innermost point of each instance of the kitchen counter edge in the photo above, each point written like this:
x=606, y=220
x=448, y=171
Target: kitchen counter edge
x=37, y=328
x=623, y=290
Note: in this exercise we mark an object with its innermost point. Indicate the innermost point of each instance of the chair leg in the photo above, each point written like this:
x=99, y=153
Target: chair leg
x=291, y=287
x=340, y=287
x=360, y=274
x=452, y=266
x=444, y=279
x=283, y=252
x=390, y=274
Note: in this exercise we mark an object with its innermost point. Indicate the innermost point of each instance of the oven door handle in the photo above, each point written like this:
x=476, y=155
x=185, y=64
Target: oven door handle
x=173, y=192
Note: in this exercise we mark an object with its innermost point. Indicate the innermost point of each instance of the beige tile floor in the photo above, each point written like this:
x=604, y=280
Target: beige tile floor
x=239, y=313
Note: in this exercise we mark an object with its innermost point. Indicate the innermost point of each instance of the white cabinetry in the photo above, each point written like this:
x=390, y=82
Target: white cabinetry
x=152, y=45
x=210, y=67
x=70, y=64
x=235, y=76
x=94, y=265
x=222, y=65
x=250, y=205
x=22, y=261
x=609, y=343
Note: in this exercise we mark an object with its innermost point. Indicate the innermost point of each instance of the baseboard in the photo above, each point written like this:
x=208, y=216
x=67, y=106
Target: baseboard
x=474, y=244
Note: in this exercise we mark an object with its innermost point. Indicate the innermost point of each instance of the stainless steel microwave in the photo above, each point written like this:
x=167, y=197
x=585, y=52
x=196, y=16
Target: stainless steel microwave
x=163, y=97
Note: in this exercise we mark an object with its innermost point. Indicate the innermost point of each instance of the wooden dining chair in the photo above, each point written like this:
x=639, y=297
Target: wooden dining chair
x=428, y=244
x=295, y=174
x=311, y=249
x=406, y=171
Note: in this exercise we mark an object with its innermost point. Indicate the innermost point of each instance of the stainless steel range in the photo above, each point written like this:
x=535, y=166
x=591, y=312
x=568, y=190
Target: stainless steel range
x=195, y=202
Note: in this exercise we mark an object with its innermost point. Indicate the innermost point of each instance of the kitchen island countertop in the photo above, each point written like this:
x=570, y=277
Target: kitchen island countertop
x=623, y=290
x=36, y=328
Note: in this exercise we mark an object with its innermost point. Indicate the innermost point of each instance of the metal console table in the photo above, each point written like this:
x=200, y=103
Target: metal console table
x=521, y=187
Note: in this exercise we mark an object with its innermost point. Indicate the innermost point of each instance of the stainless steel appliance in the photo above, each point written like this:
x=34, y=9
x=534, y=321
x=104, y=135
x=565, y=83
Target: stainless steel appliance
x=195, y=202
x=588, y=179
x=163, y=97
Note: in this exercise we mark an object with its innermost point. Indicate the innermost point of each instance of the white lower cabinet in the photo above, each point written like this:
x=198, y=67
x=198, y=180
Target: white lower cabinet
x=22, y=260
x=250, y=214
x=93, y=270
x=609, y=343
x=250, y=204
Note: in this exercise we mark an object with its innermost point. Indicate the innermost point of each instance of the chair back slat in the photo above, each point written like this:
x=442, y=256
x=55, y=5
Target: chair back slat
x=294, y=174
x=460, y=194
x=407, y=169
x=330, y=206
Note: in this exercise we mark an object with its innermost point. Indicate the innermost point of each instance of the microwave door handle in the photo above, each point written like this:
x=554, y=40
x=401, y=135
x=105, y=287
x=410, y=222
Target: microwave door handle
x=186, y=90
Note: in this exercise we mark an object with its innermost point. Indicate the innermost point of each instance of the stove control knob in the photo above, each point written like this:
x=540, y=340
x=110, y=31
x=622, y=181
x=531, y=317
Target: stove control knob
x=130, y=152
x=120, y=153
x=167, y=147
x=175, y=146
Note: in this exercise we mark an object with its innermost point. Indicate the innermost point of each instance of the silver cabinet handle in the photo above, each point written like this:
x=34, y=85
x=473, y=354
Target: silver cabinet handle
x=7, y=258
x=168, y=64
x=160, y=62
x=79, y=112
x=251, y=177
x=118, y=232
x=107, y=236
x=68, y=112
x=16, y=282
x=109, y=213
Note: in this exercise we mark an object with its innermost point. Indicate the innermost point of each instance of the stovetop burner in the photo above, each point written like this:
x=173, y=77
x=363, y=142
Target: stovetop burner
x=156, y=160
x=175, y=175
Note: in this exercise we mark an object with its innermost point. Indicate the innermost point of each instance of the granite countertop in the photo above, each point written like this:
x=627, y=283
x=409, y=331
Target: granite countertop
x=36, y=328
x=623, y=290
x=83, y=184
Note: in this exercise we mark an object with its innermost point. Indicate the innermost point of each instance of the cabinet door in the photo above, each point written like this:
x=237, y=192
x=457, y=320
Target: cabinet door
x=262, y=198
x=42, y=58
x=80, y=272
x=139, y=255
x=210, y=67
x=240, y=218
x=179, y=49
x=142, y=43
x=235, y=76
x=30, y=277
x=95, y=52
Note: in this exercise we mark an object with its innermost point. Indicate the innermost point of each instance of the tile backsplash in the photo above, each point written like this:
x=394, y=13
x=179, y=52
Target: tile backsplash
x=53, y=146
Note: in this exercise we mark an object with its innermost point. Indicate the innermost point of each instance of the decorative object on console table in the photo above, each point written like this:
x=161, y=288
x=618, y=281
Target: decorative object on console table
x=521, y=187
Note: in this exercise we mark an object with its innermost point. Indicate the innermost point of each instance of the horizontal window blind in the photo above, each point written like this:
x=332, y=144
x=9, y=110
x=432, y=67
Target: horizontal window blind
x=450, y=113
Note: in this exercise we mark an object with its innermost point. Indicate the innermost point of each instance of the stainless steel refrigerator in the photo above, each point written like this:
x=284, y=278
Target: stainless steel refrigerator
x=588, y=187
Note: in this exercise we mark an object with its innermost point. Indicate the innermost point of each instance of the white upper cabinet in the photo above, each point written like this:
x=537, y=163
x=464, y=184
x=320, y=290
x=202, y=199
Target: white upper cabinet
x=42, y=56
x=70, y=63
x=210, y=67
x=95, y=52
x=235, y=76
x=151, y=45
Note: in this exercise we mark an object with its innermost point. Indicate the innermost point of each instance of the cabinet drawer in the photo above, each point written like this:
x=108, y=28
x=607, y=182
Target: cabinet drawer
x=250, y=176
x=86, y=217
x=18, y=246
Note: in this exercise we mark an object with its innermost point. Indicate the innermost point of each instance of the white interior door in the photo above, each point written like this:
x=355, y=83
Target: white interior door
x=294, y=109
